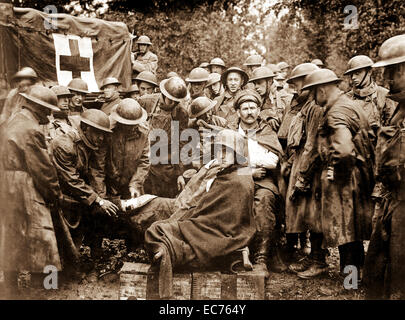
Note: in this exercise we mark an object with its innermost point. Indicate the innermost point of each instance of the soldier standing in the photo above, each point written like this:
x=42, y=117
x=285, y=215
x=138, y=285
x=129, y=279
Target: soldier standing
x=376, y=105
x=147, y=83
x=144, y=59
x=79, y=89
x=29, y=188
x=347, y=180
x=217, y=65
x=111, y=94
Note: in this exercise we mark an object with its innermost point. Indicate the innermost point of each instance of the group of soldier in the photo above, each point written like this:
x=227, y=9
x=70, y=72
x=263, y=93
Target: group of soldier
x=287, y=165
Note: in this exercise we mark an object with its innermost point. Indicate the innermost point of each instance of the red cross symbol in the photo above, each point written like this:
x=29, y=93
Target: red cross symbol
x=74, y=62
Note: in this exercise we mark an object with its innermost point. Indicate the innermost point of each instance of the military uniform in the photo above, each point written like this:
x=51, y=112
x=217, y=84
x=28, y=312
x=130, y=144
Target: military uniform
x=162, y=178
x=146, y=62
x=28, y=185
x=109, y=104
x=224, y=108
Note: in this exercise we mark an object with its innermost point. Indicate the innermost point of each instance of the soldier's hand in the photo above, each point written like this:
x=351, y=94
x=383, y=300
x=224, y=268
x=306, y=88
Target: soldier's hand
x=181, y=183
x=109, y=208
x=134, y=192
x=258, y=173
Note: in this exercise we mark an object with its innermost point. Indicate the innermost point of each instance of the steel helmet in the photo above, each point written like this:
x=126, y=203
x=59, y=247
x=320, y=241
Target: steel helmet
x=147, y=76
x=172, y=74
x=217, y=62
x=42, y=96
x=247, y=95
x=318, y=62
x=198, y=75
x=231, y=139
x=133, y=88
x=143, y=40
x=254, y=60
x=174, y=88
x=261, y=73
x=204, y=65
x=282, y=65
x=273, y=67
x=97, y=119
x=78, y=85
x=200, y=106
x=61, y=91
x=358, y=62
x=224, y=75
x=213, y=78
x=392, y=51
x=318, y=77
x=129, y=112
x=27, y=73
x=302, y=70
x=110, y=80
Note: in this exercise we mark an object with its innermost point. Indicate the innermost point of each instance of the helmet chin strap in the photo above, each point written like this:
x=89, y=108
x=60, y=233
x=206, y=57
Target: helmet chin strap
x=364, y=77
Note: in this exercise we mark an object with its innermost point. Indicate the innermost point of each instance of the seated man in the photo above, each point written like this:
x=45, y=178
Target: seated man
x=264, y=152
x=212, y=217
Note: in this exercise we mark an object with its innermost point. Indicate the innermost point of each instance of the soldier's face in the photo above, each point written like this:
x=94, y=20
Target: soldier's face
x=297, y=84
x=248, y=112
x=261, y=86
x=145, y=88
x=234, y=81
x=77, y=99
x=169, y=104
x=357, y=77
x=109, y=90
x=24, y=84
x=320, y=95
x=251, y=68
x=216, y=88
x=395, y=76
x=217, y=69
x=134, y=95
x=143, y=48
x=63, y=103
x=197, y=87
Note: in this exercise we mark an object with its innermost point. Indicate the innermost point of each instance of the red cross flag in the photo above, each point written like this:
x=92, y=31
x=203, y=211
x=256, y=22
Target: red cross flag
x=60, y=47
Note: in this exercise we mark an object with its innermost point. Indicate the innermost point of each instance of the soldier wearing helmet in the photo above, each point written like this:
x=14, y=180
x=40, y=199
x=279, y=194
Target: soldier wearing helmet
x=143, y=59
x=80, y=159
x=165, y=114
x=214, y=87
x=217, y=65
x=298, y=100
x=78, y=87
x=262, y=80
x=371, y=96
x=233, y=79
x=252, y=62
x=385, y=260
x=263, y=152
x=29, y=190
x=128, y=161
x=197, y=80
x=110, y=87
x=342, y=140
x=22, y=81
x=133, y=92
x=147, y=82
x=302, y=119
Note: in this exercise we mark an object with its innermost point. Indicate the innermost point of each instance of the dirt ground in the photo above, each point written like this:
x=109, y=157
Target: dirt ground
x=104, y=285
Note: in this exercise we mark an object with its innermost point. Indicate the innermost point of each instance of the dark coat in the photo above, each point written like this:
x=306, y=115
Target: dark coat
x=128, y=161
x=28, y=185
x=347, y=154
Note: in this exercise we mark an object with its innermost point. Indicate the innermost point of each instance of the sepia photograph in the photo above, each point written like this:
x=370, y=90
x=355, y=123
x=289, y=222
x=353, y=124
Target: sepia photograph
x=223, y=152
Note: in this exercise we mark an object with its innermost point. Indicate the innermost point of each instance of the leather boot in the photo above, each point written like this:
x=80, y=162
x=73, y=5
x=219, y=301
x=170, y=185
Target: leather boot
x=276, y=263
x=261, y=256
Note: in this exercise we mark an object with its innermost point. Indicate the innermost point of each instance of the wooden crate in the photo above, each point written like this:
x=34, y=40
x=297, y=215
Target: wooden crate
x=137, y=282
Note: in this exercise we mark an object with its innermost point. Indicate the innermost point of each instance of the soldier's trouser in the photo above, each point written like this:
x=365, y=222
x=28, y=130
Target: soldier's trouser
x=265, y=206
x=351, y=254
